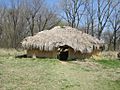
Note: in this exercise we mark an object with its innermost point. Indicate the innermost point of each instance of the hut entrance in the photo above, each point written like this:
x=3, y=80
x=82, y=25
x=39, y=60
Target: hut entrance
x=63, y=53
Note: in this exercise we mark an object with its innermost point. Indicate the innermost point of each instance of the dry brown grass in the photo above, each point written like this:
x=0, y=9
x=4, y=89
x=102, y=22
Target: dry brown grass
x=106, y=55
x=10, y=52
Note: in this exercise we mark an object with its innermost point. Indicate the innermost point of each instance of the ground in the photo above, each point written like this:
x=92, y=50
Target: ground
x=52, y=74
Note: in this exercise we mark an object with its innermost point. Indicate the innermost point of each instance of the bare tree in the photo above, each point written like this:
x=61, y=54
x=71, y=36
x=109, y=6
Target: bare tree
x=20, y=19
x=115, y=24
x=13, y=15
x=90, y=14
x=2, y=13
x=108, y=37
x=73, y=10
x=31, y=13
x=46, y=19
x=105, y=9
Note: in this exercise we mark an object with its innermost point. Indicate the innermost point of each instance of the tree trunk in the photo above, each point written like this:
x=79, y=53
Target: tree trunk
x=114, y=42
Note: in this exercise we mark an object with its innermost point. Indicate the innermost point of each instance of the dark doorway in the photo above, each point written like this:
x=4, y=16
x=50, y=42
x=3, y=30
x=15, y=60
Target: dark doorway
x=62, y=53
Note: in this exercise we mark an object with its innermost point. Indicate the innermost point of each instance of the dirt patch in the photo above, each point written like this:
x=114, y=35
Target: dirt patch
x=63, y=62
x=88, y=65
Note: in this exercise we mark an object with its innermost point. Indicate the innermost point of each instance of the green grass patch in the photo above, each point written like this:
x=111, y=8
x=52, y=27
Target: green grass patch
x=51, y=74
x=110, y=63
x=103, y=84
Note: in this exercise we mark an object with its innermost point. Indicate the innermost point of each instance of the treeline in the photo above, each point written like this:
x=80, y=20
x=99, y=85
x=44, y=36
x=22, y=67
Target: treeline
x=21, y=18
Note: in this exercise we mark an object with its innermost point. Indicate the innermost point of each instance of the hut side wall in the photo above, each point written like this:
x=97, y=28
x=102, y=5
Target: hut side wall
x=78, y=55
x=71, y=54
x=53, y=54
x=42, y=54
x=96, y=52
x=49, y=54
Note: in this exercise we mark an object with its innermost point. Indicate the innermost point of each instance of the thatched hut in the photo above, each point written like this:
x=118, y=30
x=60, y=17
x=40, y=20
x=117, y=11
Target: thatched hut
x=61, y=42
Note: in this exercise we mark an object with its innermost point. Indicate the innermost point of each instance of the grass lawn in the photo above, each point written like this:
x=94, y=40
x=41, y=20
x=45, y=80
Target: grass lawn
x=51, y=74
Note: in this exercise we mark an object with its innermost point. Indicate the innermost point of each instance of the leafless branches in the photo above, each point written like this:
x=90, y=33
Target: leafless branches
x=73, y=10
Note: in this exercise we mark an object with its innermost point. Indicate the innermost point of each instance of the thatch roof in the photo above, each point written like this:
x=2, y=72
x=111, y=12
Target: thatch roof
x=59, y=36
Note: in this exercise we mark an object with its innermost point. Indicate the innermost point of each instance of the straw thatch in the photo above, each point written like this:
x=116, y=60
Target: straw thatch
x=48, y=40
